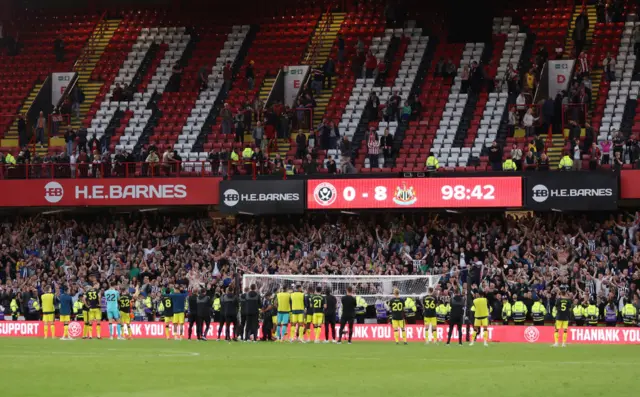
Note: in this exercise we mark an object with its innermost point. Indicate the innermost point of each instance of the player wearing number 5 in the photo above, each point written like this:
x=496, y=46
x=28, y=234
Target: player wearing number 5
x=397, y=317
x=429, y=315
x=563, y=309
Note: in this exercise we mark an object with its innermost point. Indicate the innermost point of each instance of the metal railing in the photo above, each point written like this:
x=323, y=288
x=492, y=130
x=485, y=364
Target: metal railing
x=57, y=125
x=319, y=37
x=574, y=112
x=89, y=48
x=48, y=168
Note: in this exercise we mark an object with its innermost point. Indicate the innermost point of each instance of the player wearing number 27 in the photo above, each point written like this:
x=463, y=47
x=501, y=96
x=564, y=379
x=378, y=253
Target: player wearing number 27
x=397, y=316
x=563, y=309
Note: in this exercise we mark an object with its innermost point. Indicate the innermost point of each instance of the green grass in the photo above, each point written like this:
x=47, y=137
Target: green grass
x=159, y=368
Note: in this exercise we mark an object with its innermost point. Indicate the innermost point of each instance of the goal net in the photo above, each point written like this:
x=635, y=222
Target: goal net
x=368, y=287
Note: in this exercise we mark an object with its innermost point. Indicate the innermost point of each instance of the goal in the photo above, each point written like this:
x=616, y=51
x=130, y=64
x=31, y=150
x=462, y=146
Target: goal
x=370, y=288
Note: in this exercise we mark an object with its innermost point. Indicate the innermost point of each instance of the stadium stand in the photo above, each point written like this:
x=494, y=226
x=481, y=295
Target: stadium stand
x=24, y=71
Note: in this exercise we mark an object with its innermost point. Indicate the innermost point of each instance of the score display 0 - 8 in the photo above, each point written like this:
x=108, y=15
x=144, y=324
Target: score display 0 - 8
x=419, y=193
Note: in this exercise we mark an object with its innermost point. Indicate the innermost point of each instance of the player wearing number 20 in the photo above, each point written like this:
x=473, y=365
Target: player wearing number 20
x=397, y=316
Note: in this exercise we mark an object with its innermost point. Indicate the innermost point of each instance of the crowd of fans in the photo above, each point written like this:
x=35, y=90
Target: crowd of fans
x=517, y=256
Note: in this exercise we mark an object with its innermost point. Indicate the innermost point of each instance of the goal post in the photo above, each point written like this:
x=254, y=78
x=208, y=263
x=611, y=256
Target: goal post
x=370, y=288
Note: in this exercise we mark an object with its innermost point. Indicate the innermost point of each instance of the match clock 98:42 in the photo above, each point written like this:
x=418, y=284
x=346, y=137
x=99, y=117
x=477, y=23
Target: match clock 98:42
x=414, y=193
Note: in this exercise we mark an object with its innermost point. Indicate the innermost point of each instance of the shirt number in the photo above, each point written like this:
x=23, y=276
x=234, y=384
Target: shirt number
x=563, y=306
x=397, y=307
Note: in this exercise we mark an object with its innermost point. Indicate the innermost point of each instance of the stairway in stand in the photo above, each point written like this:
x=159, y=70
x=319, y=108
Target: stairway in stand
x=90, y=87
x=323, y=51
x=596, y=79
x=98, y=40
x=321, y=43
x=265, y=89
x=11, y=137
x=593, y=19
x=555, y=151
x=267, y=85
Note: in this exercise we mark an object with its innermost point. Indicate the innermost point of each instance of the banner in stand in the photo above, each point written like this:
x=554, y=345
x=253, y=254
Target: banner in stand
x=571, y=191
x=262, y=197
x=112, y=192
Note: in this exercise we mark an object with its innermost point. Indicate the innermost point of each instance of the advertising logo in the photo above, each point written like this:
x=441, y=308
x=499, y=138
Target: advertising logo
x=540, y=193
x=325, y=194
x=75, y=329
x=531, y=334
x=404, y=195
x=53, y=192
x=231, y=197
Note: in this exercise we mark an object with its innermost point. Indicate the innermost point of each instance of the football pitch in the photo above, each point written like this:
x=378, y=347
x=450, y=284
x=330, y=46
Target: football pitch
x=52, y=368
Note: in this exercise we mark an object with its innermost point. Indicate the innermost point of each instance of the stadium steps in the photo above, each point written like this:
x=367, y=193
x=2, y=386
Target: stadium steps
x=555, y=151
x=593, y=19
x=423, y=69
x=596, y=79
x=630, y=110
x=325, y=40
x=92, y=88
x=324, y=51
x=11, y=137
x=472, y=102
x=222, y=97
x=265, y=89
x=390, y=55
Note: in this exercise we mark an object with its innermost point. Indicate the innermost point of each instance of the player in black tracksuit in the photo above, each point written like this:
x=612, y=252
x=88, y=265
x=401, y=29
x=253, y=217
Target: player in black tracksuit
x=193, y=306
x=203, y=314
x=229, y=303
x=456, y=316
x=243, y=314
x=348, y=313
x=468, y=313
x=252, y=303
x=330, y=307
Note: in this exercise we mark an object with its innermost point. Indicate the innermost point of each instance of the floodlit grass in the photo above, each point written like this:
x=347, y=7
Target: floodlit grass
x=159, y=368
